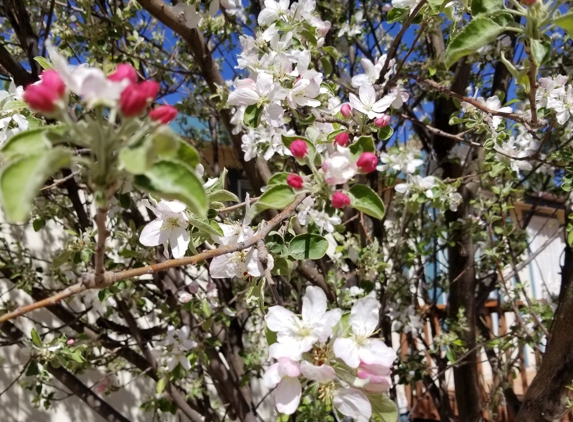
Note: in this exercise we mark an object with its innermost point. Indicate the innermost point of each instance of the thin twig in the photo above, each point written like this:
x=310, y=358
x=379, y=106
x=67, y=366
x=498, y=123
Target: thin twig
x=88, y=280
x=236, y=207
x=62, y=180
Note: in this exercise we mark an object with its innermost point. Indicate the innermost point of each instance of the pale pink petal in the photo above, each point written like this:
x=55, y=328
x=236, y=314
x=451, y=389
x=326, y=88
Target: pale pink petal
x=153, y=235
x=352, y=403
x=322, y=373
x=287, y=395
x=364, y=316
x=347, y=350
x=313, y=304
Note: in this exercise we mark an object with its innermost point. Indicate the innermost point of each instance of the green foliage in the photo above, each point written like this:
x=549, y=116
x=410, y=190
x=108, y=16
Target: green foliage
x=275, y=197
x=174, y=180
x=308, y=246
x=367, y=201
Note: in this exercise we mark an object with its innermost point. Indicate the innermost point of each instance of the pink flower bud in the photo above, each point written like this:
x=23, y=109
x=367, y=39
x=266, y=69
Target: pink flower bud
x=294, y=181
x=340, y=200
x=299, y=148
x=135, y=98
x=367, y=162
x=346, y=110
x=163, y=114
x=382, y=121
x=70, y=342
x=43, y=95
x=124, y=71
x=342, y=139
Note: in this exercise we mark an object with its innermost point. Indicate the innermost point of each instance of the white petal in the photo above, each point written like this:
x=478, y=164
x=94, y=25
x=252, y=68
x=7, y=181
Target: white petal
x=355, y=103
x=322, y=373
x=376, y=352
x=223, y=267
x=313, y=304
x=179, y=240
x=272, y=377
x=280, y=319
x=243, y=96
x=353, y=403
x=287, y=395
x=152, y=234
x=347, y=350
x=364, y=316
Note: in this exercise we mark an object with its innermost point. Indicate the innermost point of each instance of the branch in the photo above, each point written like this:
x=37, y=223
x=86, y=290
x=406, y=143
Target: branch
x=100, y=248
x=90, y=280
x=512, y=116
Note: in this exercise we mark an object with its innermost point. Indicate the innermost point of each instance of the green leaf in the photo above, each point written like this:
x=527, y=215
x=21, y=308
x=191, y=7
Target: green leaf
x=385, y=132
x=483, y=7
x=38, y=224
x=175, y=180
x=21, y=179
x=14, y=105
x=32, y=369
x=161, y=384
x=187, y=154
x=565, y=22
x=137, y=158
x=203, y=225
x=366, y=200
x=283, y=266
x=570, y=238
x=35, y=338
x=223, y=195
x=478, y=33
x=278, y=179
x=326, y=65
x=275, y=197
x=540, y=51
x=384, y=407
x=436, y=5
x=362, y=144
x=396, y=14
x=166, y=142
x=43, y=62
x=28, y=142
x=252, y=116
x=308, y=246
x=271, y=336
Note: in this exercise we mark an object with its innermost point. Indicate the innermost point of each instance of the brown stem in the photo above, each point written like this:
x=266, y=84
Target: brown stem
x=89, y=280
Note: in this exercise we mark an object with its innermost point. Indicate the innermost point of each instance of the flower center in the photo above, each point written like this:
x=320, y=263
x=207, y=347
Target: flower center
x=171, y=223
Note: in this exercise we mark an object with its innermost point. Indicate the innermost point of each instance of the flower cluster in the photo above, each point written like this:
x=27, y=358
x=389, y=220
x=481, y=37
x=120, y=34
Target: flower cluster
x=349, y=365
x=120, y=90
x=175, y=348
x=554, y=94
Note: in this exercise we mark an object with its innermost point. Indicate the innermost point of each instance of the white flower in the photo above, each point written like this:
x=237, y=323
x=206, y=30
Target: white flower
x=367, y=103
x=340, y=167
x=403, y=4
x=170, y=227
x=359, y=347
x=371, y=72
x=352, y=403
x=283, y=375
x=90, y=83
x=322, y=373
x=272, y=11
x=241, y=263
x=176, y=347
x=494, y=104
x=418, y=183
x=299, y=334
x=303, y=93
x=563, y=105
x=189, y=14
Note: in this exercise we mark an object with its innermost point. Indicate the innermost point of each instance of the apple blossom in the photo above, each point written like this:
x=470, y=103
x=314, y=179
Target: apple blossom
x=367, y=162
x=282, y=376
x=382, y=121
x=367, y=103
x=315, y=324
x=346, y=110
x=294, y=181
x=298, y=148
x=342, y=139
x=378, y=376
x=163, y=114
x=124, y=71
x=135, y=98
x=340, y=200
x=359, y=347
x=339, y=167
x=44, y=95
x=169, y=227
x=353, y=403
